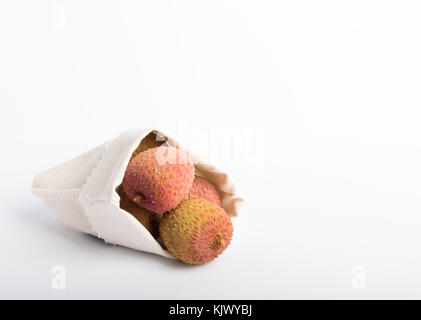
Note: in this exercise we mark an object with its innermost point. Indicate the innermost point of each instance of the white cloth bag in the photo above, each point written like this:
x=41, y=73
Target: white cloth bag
x=82, y=192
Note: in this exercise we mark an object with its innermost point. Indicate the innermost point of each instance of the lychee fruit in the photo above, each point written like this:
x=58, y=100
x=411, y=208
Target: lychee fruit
x=159, y=178
x=147, y=218
x=152, y=140
x=203, y=189
x=196, y=231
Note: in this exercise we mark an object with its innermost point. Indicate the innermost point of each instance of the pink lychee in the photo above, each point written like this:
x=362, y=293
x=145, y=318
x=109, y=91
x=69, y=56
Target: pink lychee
x=158, y=179
x=203, y=189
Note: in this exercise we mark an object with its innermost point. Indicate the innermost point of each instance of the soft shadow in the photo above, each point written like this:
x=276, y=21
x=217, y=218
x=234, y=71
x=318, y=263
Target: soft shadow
x=44, y=220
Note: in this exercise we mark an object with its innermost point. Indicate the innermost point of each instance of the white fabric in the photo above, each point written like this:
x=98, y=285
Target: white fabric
x=82, y=192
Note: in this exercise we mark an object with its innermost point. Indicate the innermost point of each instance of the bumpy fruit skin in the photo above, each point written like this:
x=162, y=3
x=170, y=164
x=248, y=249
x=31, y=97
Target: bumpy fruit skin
x=203, y=189
x=196, y=232
x=152, y=140
x=147, y=218
x=158, y=179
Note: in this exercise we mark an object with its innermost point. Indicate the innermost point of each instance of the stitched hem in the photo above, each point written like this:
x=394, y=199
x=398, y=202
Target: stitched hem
x=57, y=194
x=83, y=199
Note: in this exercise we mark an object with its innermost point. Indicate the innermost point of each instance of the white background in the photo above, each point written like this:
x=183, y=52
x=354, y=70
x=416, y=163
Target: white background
x=333, y=85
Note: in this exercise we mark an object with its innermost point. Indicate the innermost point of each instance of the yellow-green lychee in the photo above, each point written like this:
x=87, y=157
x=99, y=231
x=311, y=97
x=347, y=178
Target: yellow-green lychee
x=196, y=231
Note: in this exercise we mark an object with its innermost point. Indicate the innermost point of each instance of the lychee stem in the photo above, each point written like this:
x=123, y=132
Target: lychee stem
x=138, y=197
x=218, y=242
